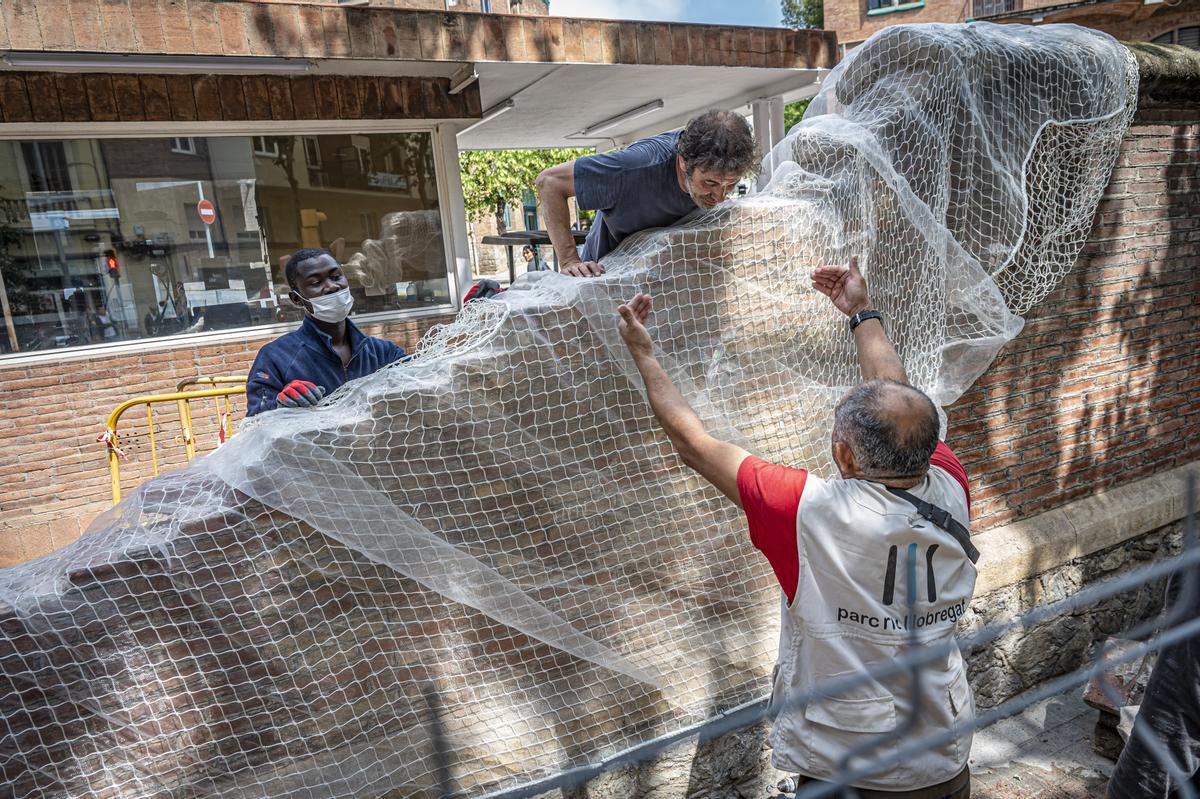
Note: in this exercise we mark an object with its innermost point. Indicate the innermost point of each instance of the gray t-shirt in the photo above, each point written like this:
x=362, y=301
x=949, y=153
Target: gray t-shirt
x=632, y=189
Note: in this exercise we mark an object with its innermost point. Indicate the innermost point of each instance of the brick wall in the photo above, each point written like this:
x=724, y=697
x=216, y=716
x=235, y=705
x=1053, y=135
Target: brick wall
x=203, y=27
x=54, y=474
x=1127, y=20
x=849, y=20
x=1103, y=385
x=1100, y=389
x=98, y=97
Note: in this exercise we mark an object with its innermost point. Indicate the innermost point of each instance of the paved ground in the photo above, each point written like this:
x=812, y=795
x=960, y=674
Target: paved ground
x=1044, y=753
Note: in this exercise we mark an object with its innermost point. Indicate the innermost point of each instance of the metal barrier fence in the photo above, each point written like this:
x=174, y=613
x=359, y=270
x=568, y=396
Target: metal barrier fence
x=1170, y=628
x=222, y=389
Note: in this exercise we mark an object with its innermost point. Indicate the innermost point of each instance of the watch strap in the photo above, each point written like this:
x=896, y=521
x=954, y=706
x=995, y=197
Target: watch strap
x=863, y=316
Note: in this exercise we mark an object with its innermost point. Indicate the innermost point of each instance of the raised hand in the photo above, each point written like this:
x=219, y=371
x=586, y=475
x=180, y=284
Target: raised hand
x=844, y=285
x=633, y=324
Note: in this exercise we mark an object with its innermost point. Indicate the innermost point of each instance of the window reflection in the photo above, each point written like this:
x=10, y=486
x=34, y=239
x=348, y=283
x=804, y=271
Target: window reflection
x=106, y=240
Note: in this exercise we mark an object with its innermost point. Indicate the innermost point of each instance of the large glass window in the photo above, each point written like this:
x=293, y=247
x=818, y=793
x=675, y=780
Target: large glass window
x=105, y=240
x=1188, y=37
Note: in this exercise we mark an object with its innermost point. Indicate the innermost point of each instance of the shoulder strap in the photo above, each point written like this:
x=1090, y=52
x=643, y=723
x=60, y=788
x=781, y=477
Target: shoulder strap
x=942, y=519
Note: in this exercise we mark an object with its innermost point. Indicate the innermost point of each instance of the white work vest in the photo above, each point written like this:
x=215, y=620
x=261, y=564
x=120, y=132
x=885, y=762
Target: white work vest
x=851, y=614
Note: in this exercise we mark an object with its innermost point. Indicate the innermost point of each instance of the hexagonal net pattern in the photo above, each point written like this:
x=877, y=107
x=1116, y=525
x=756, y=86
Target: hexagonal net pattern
x=498, y=527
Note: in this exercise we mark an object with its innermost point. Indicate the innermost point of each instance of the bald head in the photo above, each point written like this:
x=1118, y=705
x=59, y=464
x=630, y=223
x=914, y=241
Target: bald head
x=890, y=428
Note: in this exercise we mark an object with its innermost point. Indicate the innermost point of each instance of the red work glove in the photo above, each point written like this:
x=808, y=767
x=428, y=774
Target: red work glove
x=300, y=394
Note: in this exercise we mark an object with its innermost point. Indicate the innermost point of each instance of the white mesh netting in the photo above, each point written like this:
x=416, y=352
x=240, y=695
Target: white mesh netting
x=501, y=521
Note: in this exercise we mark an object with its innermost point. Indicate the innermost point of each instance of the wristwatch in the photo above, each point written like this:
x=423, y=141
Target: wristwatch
x=863, y=316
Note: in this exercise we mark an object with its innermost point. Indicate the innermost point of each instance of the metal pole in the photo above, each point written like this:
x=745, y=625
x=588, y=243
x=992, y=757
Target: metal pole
x=207, y=227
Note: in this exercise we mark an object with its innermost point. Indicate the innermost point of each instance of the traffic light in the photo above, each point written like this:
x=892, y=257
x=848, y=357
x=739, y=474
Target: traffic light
x=113, y=265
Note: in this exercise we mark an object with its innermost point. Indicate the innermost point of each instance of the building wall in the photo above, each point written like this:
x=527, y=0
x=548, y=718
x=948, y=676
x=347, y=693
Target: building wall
x=1102, y=387
x=528, y=8
x=1128, y=20
x=54, y=477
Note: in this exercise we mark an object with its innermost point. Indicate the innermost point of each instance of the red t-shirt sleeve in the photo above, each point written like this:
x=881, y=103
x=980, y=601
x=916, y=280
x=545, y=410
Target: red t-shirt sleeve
x=770, y=497
x=945, y=460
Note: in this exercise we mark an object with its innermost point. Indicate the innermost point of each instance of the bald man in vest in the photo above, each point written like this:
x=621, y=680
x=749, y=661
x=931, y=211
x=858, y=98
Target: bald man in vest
x=841, y=550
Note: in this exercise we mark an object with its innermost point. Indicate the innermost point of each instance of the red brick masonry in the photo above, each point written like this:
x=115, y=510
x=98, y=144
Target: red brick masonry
x=54, y=474
x=74, y=97
x=1102, y=387
x=330, y=31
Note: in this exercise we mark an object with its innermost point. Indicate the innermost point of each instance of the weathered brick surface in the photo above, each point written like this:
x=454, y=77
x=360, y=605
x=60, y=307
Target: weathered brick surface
x=124, y=97
x=53, y=471
x=1103, y=385
x=390, y=30
x=1127, y=20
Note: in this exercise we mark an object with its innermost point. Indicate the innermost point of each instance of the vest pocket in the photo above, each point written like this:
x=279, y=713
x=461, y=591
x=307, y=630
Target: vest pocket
x=959, y=694
x=871, y=715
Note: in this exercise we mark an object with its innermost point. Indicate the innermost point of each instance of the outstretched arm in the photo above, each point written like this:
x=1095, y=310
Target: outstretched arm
x=554, y=185
x=847, y=289
x=716, y=461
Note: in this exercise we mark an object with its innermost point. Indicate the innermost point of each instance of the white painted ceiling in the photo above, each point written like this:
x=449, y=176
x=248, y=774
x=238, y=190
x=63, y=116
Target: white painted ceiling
x=554, y=102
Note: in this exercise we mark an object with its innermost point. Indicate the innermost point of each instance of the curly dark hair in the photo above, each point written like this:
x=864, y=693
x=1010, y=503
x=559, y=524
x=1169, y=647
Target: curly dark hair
x=292, y=270
x=720, y=141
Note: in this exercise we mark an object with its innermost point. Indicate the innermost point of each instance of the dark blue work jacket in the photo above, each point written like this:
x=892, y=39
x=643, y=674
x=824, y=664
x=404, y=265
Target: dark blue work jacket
x=307, y=354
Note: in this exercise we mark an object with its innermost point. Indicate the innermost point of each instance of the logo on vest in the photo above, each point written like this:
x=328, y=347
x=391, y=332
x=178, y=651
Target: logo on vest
x=909, y=621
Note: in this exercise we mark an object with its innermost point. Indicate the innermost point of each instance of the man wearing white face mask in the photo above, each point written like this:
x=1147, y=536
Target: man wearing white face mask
x=297, y=369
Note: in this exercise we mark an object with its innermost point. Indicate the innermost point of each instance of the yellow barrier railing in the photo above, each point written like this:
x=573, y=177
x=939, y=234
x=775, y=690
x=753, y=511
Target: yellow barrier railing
x=185, y=409
x=183, y=401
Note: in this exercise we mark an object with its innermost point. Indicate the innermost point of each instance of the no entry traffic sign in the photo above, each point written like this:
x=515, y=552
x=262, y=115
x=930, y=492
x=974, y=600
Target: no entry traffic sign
x=208, y=214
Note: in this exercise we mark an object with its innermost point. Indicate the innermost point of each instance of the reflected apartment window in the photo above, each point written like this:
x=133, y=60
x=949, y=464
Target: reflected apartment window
x=198, y=227
x=1187, y=37
x=266, y=146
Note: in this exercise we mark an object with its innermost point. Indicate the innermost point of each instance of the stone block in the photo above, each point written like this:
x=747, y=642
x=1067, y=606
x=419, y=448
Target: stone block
x=147, y=26
x=257, y=97
x=206, y=27
x=177, y=27
x=128, y=92
x=183, y=101
x=72, y=95
x=304, y=97
x=327, y=97
x=235, y=38
x=337, y=34
x=207, y=94
x=349, y=103
x=361, y=34
x=232, y=97
x=102, y=102
x=260, y=29
x=155, y=99
x=85, y=25
x=279, y=97
x=21, y=21
x=43, y=97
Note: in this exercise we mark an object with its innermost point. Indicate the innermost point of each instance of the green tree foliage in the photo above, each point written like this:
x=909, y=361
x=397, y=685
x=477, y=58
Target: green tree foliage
x=493, y=179
x=803, y=13
x=792, y=113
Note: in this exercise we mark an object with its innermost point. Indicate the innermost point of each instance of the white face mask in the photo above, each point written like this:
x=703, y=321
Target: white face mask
x=332, y=307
